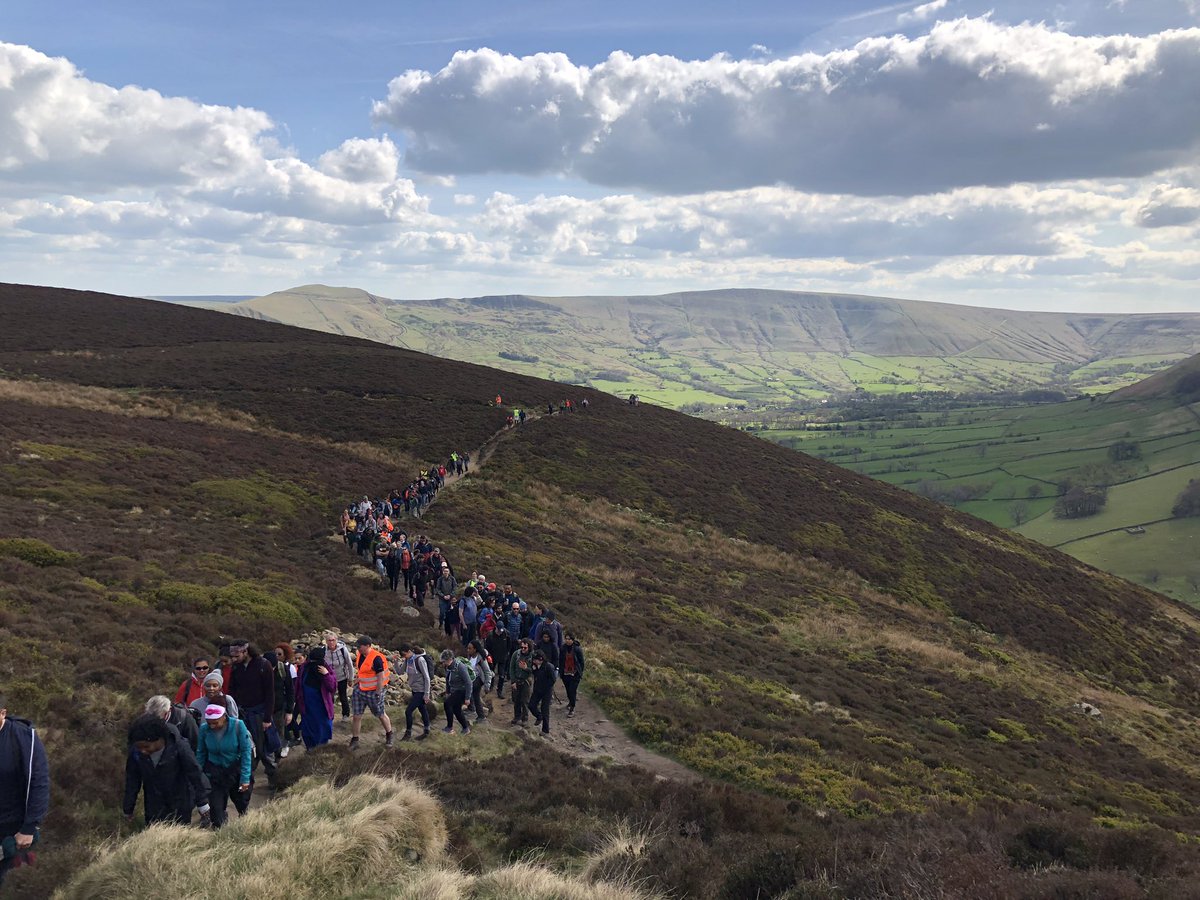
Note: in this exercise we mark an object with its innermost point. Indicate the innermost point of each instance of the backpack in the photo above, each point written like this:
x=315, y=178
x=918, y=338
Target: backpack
x=405, y=558
x=553, y=673
x=429, y=667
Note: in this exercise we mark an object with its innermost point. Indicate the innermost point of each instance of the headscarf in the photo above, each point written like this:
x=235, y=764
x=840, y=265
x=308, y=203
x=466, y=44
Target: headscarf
x=316, y=657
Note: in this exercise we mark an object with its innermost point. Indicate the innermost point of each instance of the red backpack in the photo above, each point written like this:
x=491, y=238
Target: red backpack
x=405, y=558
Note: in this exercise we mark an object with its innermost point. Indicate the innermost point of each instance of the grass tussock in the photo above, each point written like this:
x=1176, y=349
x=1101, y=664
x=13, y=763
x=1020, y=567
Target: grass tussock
x=316, y=841
x=373, y=836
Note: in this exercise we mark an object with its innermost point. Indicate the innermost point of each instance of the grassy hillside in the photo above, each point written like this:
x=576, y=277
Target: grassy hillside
x=753, y=345
x=881, y=692
x=1009, y=462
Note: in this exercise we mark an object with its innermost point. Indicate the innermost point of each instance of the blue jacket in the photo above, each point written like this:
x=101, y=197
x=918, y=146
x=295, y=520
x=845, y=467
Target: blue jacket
x=35, y=779
x=224, y=748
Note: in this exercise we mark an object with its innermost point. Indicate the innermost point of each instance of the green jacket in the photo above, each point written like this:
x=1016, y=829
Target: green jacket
x=515, y=672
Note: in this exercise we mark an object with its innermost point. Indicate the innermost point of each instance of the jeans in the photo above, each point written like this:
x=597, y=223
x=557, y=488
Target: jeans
x=417, y=702
x=476, y=690
x=571, y=683
x=253, y=718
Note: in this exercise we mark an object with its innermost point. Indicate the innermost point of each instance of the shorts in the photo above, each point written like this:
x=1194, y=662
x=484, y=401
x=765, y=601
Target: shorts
x=364, y=700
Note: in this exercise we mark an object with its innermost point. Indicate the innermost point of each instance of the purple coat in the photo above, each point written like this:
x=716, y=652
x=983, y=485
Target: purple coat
x=328, y=688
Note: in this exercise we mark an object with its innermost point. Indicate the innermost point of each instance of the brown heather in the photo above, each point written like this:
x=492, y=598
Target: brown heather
x=881, y=695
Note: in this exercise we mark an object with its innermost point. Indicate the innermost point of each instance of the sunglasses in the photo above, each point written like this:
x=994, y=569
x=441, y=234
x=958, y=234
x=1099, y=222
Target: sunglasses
x=203, y=668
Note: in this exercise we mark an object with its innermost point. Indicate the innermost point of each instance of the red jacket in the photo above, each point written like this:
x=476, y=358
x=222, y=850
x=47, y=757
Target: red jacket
x=191, y=689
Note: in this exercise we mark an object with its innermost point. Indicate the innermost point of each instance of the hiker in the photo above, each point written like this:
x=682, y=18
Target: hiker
x=420, y=684
x=535, y=620
x=285, y=703
x=498, y=646
x=193, y=686
x=481, y=680
x=549, y=624
x=546, y=647
x=162, y=767
x=458, y=688
x=391, y=565
x=445, y=588
x=337, y=657
x=252, y=685
x=406, y=567
x=176, y=715
x=544, y=677
x=369, y=687
x=224, y=755
x=515, y=623
x=570, y=669
x=422, y=575
x=315, y=686
x=213, y=693
x=521, y=416
x=291, y=727
x=520, y=673
x=24, y=789
x=468, y=615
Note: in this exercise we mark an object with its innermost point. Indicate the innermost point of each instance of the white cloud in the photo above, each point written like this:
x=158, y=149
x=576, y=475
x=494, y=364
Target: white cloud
x=921, y=13
x=62, y=133
x=966, y=104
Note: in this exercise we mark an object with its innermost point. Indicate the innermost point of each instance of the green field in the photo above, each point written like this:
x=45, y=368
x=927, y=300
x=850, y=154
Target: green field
x=1011, y=459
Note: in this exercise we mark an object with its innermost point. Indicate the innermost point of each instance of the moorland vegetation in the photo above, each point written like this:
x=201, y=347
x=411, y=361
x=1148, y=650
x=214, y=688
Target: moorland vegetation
x=883, y=694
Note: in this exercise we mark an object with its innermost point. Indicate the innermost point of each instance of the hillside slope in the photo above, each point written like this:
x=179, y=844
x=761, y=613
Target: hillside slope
x=886, y=672
x=1180, y=383
x=779, y=346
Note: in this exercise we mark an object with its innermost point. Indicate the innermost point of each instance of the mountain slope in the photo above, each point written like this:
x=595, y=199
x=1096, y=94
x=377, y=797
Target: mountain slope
x=883, y=664
x=1180, y=383
x=779, y=346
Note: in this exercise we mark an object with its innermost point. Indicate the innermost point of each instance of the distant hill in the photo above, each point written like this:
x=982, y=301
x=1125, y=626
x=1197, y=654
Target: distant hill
x=754, y=345
x=1181, y=382
x=872, y=687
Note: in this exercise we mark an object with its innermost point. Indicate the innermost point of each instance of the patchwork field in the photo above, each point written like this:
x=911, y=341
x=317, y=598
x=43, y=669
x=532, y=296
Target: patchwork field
x=1007, y=463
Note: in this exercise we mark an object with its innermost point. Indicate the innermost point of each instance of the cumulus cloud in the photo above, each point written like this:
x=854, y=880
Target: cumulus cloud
x=973, y=102
x=1168, y=206
x=921, y=13
x=62, y=133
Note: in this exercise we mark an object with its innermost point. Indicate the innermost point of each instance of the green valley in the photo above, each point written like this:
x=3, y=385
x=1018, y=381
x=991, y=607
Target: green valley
x=1006, y=463
x=753, y=347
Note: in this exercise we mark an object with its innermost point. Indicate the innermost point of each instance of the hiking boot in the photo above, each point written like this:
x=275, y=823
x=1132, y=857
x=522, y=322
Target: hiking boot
x=479, y=719
x=424, y=734
x=353, y=743
x=570, y=711
x=466, y=729
x=515, y=722
x=407, y=736
x=449, y=729
x=283, y=751
x=387, y=738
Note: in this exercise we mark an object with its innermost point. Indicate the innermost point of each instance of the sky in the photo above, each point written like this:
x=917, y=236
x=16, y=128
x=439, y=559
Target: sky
x=1016, y=155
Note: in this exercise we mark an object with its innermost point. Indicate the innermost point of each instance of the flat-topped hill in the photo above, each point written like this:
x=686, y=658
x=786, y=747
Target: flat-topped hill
x=751, y=344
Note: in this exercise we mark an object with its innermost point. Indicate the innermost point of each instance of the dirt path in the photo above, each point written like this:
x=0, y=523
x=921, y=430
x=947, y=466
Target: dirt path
x=589, y=734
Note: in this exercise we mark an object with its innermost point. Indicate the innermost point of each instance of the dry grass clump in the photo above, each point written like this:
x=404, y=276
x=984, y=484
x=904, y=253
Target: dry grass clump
x=373, y=837
x=315, y=841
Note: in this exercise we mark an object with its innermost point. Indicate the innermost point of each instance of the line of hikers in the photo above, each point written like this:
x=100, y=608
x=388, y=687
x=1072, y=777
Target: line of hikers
x=200, y=750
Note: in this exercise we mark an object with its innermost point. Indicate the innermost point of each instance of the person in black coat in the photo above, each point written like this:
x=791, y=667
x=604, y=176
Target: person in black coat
x=570, y=670
x=544, y=676
x=161, y=765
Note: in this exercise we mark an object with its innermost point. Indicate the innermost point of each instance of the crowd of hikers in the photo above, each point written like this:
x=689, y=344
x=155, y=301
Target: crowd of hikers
x=201, y=749
x=241, y=709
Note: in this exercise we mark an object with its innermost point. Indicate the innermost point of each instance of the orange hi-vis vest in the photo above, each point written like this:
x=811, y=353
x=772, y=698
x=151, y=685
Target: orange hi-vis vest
x=368, y=678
